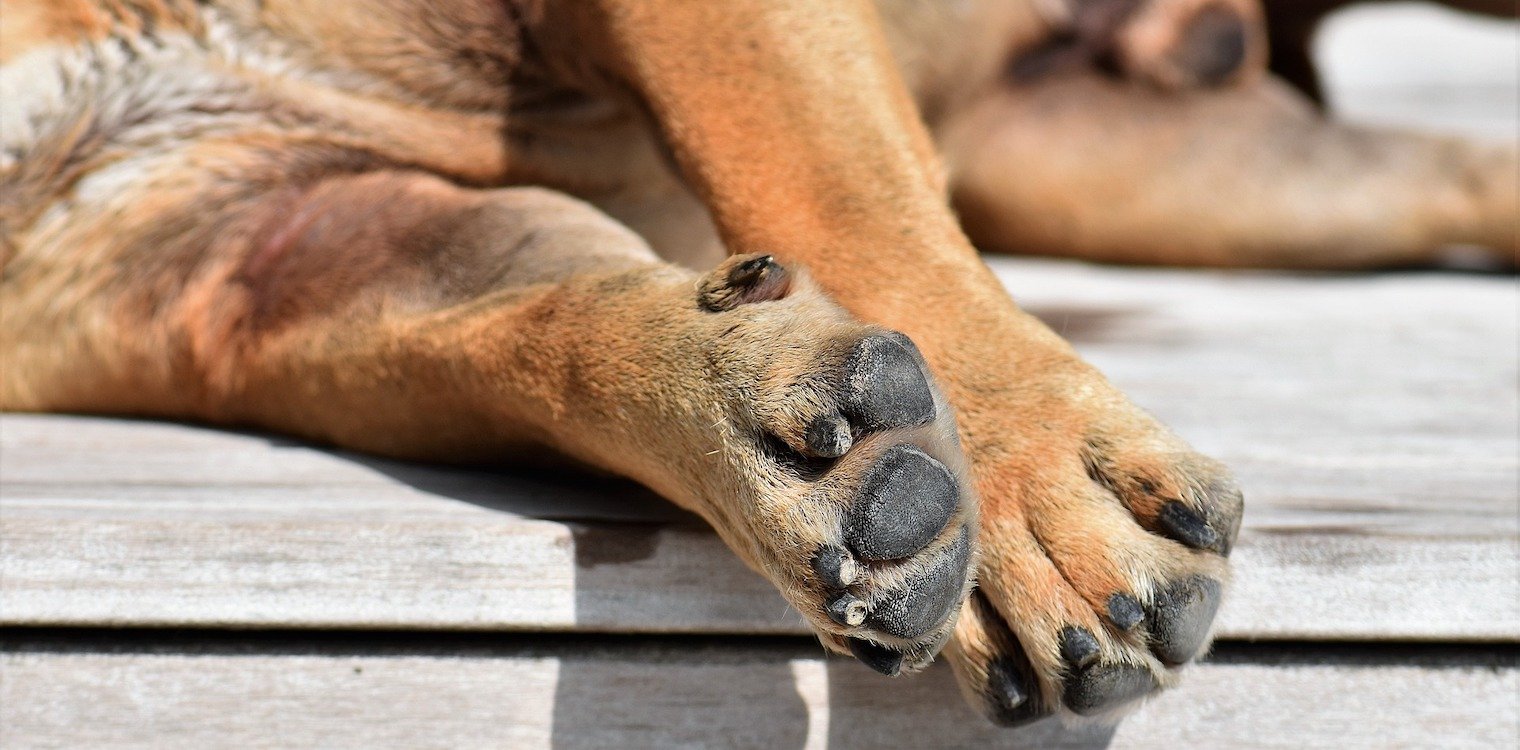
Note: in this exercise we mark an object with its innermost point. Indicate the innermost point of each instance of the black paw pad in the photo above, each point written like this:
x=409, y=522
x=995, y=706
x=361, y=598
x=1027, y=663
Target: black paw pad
x=1180, y=618
x=1011, y=694
x=877, y=657
x=1105, y=686
x=887, y=388
x=927, y=597
x=903, y=503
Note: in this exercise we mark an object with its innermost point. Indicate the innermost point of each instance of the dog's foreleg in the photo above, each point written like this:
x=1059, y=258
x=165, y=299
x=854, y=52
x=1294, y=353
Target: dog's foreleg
x=789, y=120
x=399, y=314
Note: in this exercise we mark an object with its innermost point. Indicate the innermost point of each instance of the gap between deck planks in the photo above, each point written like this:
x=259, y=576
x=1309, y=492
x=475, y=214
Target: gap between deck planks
x=1372, y=420
x=585, y=694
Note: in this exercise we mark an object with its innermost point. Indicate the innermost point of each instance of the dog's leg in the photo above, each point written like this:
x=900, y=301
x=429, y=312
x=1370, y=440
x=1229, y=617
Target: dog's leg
x=397, y=314
x=1171, y=44
x=1086, y=167
x=1103, y=536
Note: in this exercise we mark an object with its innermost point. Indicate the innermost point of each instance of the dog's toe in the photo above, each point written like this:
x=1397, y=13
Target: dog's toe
x=1180, y=618
x=1102, y=687
x=887, y=388
x=924, y=601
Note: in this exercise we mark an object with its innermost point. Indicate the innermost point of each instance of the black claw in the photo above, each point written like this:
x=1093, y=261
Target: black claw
x=928, y=597
x=1011, y=694
x=1078, y=647
x=829, y=436
x=847, y=609
x=1226, y=505
x=1124, y=612
x=877, y=657
x=834, y=567
x=1180, y=618
x=1105, y=686
x=903, y=503
x=887, y=388
x=1185, y=525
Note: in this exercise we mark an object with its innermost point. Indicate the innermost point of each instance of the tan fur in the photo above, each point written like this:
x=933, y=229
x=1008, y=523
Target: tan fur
x=295, y=215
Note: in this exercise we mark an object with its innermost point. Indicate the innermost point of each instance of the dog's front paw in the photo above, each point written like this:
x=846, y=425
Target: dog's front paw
x=833, y=465
x=1104, y=545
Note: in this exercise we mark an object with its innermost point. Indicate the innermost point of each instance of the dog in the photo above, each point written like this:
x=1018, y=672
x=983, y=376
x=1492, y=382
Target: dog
x=723, y=249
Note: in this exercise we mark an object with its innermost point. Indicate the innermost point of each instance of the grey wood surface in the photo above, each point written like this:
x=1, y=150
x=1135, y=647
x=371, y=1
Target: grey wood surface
x=1373, y=422
x=736, y=695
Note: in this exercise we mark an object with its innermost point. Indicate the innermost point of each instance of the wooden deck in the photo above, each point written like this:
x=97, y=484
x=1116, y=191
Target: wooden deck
x=275, y=590
x=166, y=585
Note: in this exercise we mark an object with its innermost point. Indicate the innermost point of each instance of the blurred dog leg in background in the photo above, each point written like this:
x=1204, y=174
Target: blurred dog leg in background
x=1071, y=154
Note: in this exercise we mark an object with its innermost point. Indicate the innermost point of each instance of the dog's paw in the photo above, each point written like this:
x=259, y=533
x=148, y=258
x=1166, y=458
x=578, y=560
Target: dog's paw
x=1104, y=545
x=834, y=466
x=1173, y=44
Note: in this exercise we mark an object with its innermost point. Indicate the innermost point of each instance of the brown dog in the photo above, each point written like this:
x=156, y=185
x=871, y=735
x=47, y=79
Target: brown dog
x=296, y=214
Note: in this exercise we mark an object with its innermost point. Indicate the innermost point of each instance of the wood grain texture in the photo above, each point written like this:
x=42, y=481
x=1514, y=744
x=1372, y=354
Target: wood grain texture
x=582, y=695
x=1372, y=421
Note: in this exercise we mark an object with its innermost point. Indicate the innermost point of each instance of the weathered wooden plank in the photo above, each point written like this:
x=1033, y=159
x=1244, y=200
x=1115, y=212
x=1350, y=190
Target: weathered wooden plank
x=169, y=557
x=1388, y=402
x=1373, y=422
x=762, y=696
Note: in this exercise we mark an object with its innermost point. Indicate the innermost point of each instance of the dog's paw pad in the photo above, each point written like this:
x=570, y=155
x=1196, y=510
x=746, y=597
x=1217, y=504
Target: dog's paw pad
x=923, y=601
x=1211, y=47
x=887, y=388
x=1180, y=617
x=1102, y=687
x=905, y=500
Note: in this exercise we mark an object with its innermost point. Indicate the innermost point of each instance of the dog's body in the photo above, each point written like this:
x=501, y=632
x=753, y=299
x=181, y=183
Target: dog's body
x=295, y=214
